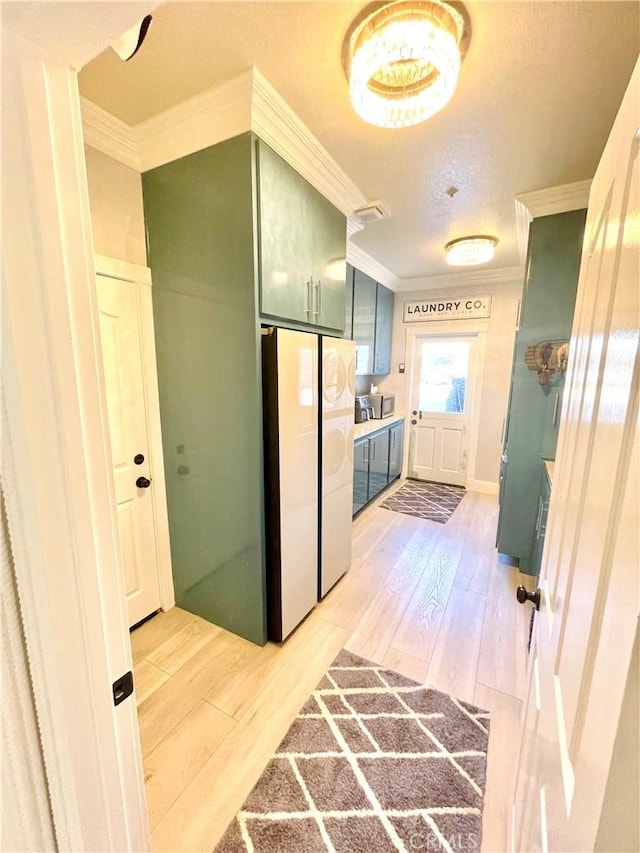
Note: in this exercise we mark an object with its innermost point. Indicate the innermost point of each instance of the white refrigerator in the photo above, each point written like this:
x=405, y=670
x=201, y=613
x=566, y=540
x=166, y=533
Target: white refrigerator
x=308, y=403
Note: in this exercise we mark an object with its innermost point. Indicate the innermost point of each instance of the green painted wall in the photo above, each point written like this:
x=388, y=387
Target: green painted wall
x=199, y=214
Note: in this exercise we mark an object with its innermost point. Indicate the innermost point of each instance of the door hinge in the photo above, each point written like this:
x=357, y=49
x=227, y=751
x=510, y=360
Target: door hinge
x=122, y=688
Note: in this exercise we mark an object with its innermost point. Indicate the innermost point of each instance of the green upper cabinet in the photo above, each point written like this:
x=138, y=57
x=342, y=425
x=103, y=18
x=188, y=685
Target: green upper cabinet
x=384, y=328
x=372, y=325
x=348, y=305
x=302, y=248
x=286, y=241
x=364, y=321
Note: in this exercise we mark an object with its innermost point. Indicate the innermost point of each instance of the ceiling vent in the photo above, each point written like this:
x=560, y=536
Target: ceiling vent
x=370, y=212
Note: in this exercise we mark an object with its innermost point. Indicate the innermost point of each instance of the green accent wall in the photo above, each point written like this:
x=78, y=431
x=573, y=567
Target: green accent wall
x=555, y=247
x=201, y=234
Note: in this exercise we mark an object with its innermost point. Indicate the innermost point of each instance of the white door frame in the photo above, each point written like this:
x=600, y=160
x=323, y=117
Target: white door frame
x=140, y=277
x=449, y=328
x=56, y=478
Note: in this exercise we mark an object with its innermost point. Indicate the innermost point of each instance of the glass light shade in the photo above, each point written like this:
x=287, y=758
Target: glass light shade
x=404, y=62
x=469, y=251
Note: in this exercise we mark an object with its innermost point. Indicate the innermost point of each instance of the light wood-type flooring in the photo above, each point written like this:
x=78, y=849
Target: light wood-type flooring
x=429, y=600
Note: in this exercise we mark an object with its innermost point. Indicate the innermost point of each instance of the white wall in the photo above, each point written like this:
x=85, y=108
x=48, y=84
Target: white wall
x=496, y=375
x=117, y=216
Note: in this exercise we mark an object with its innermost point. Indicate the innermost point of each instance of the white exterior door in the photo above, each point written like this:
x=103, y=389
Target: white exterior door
x=441, y=408
x=585, y=629
x=120, y=331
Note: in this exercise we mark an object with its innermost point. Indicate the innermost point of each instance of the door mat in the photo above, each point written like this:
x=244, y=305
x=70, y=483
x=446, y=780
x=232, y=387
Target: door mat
x=373, y=762
x=433, y=501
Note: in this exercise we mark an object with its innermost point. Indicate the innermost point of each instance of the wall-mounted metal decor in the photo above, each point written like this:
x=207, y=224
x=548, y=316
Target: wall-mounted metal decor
x=548, y=359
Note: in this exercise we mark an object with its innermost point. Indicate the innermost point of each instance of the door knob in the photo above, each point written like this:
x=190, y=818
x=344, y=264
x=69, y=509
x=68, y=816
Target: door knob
x=523, y=596
x=143, y=483
x=414, y=421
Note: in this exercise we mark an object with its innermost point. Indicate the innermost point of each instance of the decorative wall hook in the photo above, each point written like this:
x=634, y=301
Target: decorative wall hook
x=548, y=359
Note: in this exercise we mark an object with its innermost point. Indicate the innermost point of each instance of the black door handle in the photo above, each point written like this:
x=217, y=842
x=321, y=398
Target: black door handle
x=143, y=483
x=523, y=596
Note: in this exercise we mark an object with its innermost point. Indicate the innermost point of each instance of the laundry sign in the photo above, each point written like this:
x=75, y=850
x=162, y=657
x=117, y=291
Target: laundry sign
x=458, y=308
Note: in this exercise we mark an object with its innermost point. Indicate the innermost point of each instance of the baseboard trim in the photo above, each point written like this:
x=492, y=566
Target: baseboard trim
x=485, y=487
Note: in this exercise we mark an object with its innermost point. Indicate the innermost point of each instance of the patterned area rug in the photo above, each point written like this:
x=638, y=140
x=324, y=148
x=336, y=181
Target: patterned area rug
x=373, y=762
x=434, y=501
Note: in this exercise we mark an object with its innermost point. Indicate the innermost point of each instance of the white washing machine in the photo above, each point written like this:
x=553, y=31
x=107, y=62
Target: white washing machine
x=337, y=382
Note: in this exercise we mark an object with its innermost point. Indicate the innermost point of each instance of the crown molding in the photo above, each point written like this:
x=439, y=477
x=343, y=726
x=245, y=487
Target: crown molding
x=506, y=275
x=556, y=199
x=204, y=119
x=523, y=220
x=109, y=134
x=353, y=226
x=360, y=259
x=247, y=102
x=273, y=120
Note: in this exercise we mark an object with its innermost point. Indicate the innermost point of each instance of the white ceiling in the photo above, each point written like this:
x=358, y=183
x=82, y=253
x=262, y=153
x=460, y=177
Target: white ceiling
x=537, y=95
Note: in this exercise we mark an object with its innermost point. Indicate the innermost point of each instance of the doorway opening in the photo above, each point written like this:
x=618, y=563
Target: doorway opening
x=441, y=434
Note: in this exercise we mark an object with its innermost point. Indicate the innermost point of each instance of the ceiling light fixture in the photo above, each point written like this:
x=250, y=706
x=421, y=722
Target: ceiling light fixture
x=402, y=60
x=468, y=251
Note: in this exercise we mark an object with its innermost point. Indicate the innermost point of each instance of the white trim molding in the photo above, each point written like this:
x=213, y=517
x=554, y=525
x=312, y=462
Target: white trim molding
x=559, y=199
x=115, y=268
x=506, y=275
x=485, y=487
x=108, y=134
x=60, y=503
x=247, y=102
x=523, y=221
x=360, y=259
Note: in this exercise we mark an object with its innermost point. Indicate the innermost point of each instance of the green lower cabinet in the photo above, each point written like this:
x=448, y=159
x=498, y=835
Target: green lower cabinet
x=541, y=525
x=377, y=461
x=360, y=474
x=396, y=435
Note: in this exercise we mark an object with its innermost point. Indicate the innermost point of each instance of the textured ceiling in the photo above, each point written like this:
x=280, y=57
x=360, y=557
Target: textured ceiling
x=537, y=95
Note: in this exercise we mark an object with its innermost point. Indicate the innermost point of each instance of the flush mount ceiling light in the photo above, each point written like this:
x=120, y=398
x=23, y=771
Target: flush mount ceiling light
x=468, y=251
x=403, y=59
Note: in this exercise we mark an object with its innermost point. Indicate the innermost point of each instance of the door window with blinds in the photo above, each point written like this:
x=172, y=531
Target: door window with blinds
x=444, y=367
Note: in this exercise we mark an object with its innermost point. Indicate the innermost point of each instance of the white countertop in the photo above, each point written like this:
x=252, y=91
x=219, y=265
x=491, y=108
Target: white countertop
x=374, y=425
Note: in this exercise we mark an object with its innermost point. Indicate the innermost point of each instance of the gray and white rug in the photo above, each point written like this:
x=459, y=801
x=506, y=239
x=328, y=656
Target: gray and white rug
x=373, y=762
x=433, y=501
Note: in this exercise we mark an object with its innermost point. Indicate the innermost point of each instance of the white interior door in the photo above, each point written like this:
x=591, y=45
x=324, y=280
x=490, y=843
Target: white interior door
x=585, y=629
x=442, y=403
x=120, y=331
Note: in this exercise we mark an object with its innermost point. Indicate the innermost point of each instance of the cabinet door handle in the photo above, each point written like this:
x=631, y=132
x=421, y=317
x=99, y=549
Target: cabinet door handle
x=366, y=452
x=539, y=517
x=555, y=408
x=317, y=287
x=373, y=450
x=308, y=284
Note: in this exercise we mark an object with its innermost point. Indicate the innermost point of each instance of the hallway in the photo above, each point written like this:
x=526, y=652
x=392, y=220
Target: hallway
x=431, y=601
